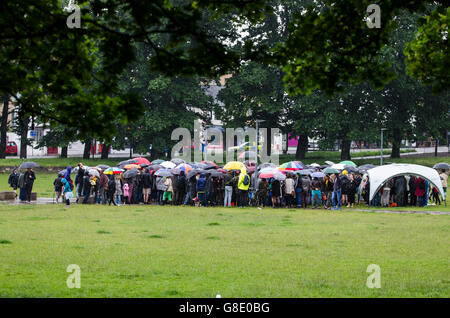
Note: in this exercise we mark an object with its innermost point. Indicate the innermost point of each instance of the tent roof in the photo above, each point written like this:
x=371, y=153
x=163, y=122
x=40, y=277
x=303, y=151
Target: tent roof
x=379, y=175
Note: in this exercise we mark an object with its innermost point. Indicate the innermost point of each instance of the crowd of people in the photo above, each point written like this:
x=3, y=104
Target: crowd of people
x=24, y=182
x=234, y=188
x=405, y=190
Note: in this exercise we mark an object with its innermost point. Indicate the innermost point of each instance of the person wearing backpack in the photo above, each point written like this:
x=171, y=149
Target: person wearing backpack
x=243, y=185
x=58, y=185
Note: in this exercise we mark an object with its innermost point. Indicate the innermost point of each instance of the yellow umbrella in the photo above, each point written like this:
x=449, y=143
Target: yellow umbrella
x=235, y=165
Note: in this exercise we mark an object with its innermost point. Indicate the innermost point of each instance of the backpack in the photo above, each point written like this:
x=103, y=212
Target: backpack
x=246, y=180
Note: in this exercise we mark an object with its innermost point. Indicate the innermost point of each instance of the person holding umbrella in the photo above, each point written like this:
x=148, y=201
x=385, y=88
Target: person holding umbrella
x=444, y=179
x=228, y=182
x=29, y=178
x=243, y=185
x=168, y=193
x=201, y=189
x=336, y=196
x=79, y=181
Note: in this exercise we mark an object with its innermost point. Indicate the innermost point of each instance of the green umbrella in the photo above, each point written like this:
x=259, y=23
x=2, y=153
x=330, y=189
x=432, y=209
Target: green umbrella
x=157, y=161
x=348, y=163
x=330, y=170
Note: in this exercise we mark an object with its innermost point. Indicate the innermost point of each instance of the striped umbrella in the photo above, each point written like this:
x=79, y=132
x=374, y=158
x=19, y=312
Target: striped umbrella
x=113, y=170
x=291, y=165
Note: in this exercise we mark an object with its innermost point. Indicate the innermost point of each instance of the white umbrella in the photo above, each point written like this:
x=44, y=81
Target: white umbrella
x=338, y=166
x=168, y=164
x=315, y=165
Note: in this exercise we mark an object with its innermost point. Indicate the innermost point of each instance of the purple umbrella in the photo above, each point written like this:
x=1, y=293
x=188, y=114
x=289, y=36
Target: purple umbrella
x=317, y=174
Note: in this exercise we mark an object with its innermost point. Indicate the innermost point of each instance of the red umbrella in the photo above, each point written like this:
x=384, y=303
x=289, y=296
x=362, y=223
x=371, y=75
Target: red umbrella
x=141, y=160
x=222, y=170
x=210, y=162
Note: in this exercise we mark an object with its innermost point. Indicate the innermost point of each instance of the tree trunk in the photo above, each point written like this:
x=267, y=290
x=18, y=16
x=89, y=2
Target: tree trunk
x=4, y=126
x=302, y=147
x=105, y=151
x=87, y=148
x=64, y=151
x=345, y=149
x=23, y=136
x=269, y=142
x=286, y=148
x=396, y=143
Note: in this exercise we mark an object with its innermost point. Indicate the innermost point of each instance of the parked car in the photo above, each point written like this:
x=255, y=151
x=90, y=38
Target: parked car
x=11, y=148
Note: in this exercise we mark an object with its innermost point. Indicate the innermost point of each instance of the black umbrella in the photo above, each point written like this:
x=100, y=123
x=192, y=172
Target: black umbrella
x=126, y=162
x=351, y=169
x=194, y=172
x=209, y=166
x=103, y=167
x=441, y=165
x=177, y=161
x=131, y=173
x=28, y=165
x=215, y=173
x=155, y=167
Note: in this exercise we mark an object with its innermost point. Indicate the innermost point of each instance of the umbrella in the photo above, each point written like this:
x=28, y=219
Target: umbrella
x=314, y=165
x=291, y=165
x=62, y=172
x=175, y=171
x=140, y=160
x=305, y=172
x=130, y=173
x=250, y=169
x=330, y=163
x=168, y=164
x=215, y=173
x=131, y=166
x=155, y=167
x=367, y=166
x=193, y=172
x=177, y=161
x=157, y=161
x=323, y=166
x=300, y=163
x=330, y=170
x=279, y=176
x=317, y=174
x=268, y=169
x=441, y=165
x=28, y=165
x=103, y=167
x=163, y=173
x=338, y=166
x=209, y=166
x=184, y=167
x=266, y=164
x=222, y=170
x=249, y=163
x=94, y=172
x=75, y=170
x=351, y=169
x=197, y=165
x=248, y=155
x=126, y=162
x=143, y=165
x=235, y=165
x=348, y=163
x=268, y=174
x=210, y=163
x=113, y=170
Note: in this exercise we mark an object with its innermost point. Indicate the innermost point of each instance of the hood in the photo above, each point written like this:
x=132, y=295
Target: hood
x=182, y=173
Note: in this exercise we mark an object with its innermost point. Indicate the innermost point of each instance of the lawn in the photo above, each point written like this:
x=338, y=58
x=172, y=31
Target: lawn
x=150, y=251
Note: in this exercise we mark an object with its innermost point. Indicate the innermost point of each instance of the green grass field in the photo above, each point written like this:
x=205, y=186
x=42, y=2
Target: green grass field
x=150, y=251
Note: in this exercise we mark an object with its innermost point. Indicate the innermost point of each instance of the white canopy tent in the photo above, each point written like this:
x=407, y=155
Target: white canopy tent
x=379, y=175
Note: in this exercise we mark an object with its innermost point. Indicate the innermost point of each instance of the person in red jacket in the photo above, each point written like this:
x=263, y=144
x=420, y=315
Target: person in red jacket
x=420, y=190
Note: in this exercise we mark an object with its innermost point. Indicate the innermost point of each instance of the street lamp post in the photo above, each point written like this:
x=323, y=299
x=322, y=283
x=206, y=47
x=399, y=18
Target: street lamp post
x=257, y=140
x=381, y=148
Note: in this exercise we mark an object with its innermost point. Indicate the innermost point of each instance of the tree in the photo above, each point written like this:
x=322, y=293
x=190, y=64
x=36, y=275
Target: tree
x=4, y=125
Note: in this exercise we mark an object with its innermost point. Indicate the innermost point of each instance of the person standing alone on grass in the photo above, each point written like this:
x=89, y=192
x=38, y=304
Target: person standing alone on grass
x=29, y=178
x=58, y=185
